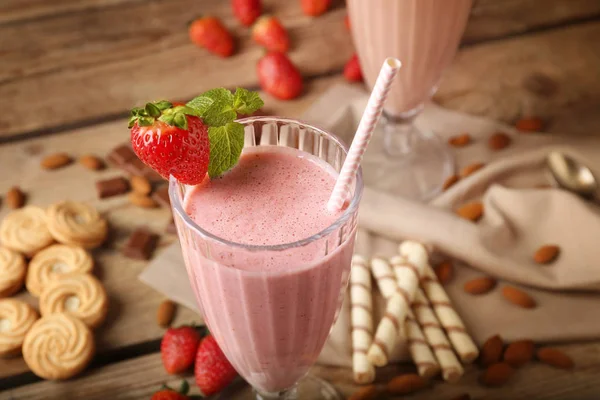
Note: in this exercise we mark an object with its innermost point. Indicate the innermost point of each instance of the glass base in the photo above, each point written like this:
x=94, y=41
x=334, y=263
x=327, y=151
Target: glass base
x=309, y=388
x=405, y=161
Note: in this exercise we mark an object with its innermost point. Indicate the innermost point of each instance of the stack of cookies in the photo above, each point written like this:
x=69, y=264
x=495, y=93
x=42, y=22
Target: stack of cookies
x=72, y=302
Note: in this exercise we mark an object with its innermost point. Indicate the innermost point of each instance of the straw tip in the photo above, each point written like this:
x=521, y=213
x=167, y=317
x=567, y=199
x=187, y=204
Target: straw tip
x=393, y=62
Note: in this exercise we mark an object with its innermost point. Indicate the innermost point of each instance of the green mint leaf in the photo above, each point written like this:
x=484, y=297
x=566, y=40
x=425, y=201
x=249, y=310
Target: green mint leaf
x=215, y=107
x=246, y=102
x=226, y=143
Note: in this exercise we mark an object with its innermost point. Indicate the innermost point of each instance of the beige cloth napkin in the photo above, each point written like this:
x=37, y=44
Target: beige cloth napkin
x=518, y=219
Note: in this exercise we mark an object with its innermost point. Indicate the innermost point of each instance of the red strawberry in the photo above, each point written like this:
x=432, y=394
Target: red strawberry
x=246, y=11
x=210, y=33
x=314, y=7
x=269, y=33
x=347, y=21
x=178, y=348
x=166, y=393
x=170, y=141
x=278, y=76
x=352, y=71
x=213, y=371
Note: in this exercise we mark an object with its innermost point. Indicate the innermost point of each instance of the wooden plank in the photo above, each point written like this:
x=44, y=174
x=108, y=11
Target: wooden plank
x=12, y=11
x=546, y=74
x=140, y=377
x=133, y=305
x=105, y=71
x=492, y=19
x=87, y=72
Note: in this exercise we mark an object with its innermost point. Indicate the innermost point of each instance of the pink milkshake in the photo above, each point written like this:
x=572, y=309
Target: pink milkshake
x=269, y=264
x=422, y=34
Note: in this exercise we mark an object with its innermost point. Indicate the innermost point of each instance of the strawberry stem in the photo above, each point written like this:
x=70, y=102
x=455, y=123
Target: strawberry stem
x=163, y=111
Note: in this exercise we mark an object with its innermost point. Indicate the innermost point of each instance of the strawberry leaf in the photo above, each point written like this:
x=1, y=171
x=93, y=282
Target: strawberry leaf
x=226, y=143
x=246, y=102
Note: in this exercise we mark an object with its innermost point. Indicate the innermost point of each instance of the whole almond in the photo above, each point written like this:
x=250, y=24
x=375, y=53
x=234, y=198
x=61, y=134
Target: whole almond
x=140, y=184
x=451, y=180
x=480, y=285
x=15, y=198
x=444, y=272
x=555, y=358
x=56, y=160
x=365, y=393
x=471, y=168
x=165, y=313
x=497, y=374
x=499, y=141
x=471, y=211
x=406, y=384
x=518, y=297
x=529, y=124
x=491, y=351
x=519, y=353
x=460, y=140
x=142, y=200
x=546, y=254
x=91, y=162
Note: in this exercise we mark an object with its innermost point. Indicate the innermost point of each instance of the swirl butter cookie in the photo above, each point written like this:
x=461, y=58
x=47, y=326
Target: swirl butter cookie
x=56, y=260
x=58, y=346
x=76, y=223
x=16, y=318
x=80, y=295
x=12, y=271
x=26, y=230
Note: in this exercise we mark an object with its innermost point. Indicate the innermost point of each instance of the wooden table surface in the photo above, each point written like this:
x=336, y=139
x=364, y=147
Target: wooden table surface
x=71, y=70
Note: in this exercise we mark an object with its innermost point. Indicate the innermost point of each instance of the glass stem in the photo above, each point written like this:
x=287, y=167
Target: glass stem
x=399, y=133
x=289, y=394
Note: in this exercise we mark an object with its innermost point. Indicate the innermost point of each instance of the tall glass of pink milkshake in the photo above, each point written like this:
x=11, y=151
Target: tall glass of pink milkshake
x=424, y=35
x=267, y=262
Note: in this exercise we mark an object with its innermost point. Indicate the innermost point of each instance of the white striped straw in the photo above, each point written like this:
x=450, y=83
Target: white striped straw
x=363, y=133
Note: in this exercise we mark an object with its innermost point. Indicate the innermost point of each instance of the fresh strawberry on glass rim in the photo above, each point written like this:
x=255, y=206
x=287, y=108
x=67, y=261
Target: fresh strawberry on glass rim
x=171, y=140
x=187, y=141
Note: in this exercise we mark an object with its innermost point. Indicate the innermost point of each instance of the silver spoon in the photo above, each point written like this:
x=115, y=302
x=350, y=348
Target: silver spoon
x=572, y=175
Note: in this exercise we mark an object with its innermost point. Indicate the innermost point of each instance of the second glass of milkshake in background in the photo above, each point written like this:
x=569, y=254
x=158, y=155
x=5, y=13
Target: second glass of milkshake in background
x=424, y=35
x=267, y=262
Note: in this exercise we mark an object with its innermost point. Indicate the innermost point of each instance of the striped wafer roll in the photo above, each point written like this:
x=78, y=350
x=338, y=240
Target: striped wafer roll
x=362, y=319
x=367, y=123
x=384, y=275
x=398, y=306
x=420, y=352
x=461, y=341
x=452, y=370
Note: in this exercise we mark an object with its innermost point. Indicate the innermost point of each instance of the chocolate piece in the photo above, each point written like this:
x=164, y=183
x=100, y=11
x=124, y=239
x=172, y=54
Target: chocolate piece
x=137, y=167
x=140, y=245
x=112, y=187
x=161, y=196
x=134, y=166
x=121, y=155
x=171, y=228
